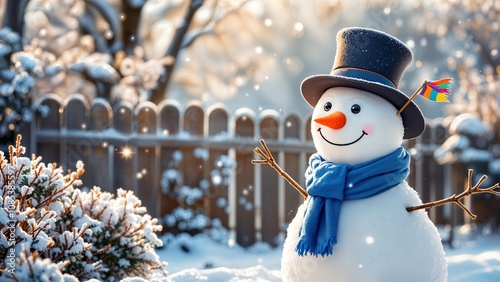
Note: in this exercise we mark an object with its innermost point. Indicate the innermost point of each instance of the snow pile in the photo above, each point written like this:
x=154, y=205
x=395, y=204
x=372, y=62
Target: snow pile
x=200, y=258
x=49, y=228
x=476, y=258
x=256, y=273
x=468, y=124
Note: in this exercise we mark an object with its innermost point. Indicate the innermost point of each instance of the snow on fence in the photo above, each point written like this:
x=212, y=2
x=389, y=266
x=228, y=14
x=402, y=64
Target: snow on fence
x=134, y=147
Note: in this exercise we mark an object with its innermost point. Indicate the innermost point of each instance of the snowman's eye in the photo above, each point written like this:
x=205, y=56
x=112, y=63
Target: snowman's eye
x=355, y=109
x=328, y=106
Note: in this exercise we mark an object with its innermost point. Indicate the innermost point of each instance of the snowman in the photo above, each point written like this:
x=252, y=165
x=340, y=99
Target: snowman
x=353, y=225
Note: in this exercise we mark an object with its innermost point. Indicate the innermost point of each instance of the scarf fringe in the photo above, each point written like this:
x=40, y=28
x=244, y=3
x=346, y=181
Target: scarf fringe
x=324, y=248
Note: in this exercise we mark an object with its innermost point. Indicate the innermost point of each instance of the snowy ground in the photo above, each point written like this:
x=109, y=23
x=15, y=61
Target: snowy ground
x=475, y=258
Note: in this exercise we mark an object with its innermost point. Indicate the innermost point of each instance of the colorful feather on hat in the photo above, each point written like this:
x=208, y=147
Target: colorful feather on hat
x=437, y=91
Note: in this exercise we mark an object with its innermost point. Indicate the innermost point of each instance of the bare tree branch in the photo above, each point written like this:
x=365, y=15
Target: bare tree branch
x=106, y=11
x=209, y=27
x=174, y=48
x=184, y=38
x=14, y=15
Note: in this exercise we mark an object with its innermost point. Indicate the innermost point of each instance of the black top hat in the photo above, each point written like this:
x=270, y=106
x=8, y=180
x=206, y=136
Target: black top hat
x=372, y=61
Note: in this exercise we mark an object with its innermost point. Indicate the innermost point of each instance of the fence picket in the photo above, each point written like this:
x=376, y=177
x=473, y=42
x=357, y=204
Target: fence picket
x=293, y=168
x=122, y=117
x=169, y=119
x=100, y=169
x=268, y=188
x=217, y=196
x=75, y=117
x=49, y=123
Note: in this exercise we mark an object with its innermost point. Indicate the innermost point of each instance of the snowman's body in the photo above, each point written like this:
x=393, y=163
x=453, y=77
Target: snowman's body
x=378, y=240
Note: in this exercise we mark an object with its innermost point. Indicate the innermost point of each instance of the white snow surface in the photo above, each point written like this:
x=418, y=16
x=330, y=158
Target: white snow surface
x=468, y=123
x=475, y=258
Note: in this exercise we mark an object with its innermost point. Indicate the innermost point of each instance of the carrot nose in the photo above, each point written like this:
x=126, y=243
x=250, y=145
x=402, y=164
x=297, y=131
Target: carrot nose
x=335, y=120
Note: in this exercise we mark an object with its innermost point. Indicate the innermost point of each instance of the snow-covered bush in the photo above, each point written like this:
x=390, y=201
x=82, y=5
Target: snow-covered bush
x=471, y=142
x=190, y=216
x=189, y=219
x=33, y=268
x=17, y=79
x=124, y=235
x=50, y=227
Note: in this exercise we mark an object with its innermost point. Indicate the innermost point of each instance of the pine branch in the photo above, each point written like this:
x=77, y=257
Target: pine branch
x=471, y=190
x=268, y=159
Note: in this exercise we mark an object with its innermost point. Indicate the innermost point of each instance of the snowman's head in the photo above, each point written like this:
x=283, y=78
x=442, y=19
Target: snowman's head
x=351, y=126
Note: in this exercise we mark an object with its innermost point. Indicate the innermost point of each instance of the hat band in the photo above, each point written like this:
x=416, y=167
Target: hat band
x=364, y=75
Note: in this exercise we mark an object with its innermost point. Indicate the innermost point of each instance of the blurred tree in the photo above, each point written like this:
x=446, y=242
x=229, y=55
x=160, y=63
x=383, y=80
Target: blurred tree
x=220, y=50
x=94, y=47
x=471, y=30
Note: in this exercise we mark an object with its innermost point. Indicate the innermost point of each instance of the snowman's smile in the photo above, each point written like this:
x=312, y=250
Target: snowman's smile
x=363, y=133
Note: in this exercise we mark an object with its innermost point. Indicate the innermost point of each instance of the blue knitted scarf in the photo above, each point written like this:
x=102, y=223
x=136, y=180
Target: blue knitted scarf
x=328, y=184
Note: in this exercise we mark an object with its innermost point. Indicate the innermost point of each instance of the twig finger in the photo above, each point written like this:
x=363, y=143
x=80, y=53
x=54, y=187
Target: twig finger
x=483, y=178
x=268, y=152
x=260, y=153
x=259, y=162
x=463, y=207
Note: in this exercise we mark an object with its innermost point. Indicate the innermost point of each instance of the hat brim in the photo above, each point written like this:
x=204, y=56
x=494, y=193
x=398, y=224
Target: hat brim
x=413, y=120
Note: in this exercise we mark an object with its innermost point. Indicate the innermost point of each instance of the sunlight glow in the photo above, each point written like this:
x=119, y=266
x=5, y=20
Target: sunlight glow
x=126, y=152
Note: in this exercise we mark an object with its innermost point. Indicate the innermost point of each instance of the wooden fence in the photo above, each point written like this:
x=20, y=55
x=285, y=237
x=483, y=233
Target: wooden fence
x=131, y=147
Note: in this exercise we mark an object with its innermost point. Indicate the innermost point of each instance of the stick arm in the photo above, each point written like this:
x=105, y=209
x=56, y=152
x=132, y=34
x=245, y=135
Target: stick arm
x=267, y=158
x=471, y=190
